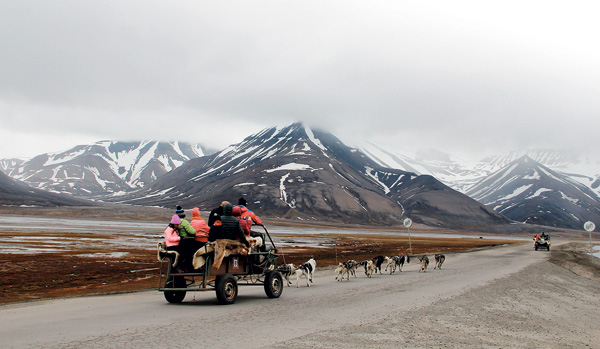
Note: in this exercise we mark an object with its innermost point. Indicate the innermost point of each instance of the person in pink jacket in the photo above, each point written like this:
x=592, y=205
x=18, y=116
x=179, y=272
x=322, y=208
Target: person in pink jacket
x=172, y=234
x=200, y=225
x=185, y=246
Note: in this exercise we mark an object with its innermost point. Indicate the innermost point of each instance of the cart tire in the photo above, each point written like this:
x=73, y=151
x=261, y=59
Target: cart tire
x=536, y=247
x=548, y=247
x=226, y=288
x=273, y=284
x=175, y=296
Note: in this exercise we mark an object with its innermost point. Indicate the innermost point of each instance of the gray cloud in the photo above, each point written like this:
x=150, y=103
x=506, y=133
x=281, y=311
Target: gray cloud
x=458, y=76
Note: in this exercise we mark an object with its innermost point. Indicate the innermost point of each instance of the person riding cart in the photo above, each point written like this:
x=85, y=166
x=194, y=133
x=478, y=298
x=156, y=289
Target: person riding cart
x=225, y=262
x=229, y=228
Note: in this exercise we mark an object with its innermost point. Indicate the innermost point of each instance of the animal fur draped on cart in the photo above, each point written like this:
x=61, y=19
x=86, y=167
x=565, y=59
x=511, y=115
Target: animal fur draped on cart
x=222, y=248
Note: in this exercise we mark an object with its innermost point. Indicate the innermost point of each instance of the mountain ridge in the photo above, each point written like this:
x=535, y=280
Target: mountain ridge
x=301, y=173
x=103, y=167
x=462, y=174
x=110, y=170
x=16, y=193
x=527, y=191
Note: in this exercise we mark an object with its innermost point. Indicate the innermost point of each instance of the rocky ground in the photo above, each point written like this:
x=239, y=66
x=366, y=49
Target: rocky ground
x=575, y=257
x=104, y=211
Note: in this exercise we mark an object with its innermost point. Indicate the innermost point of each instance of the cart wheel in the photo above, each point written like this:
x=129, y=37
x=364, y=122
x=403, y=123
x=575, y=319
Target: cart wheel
x=273, y=284
x=226, y=288
x=548, y=247
x=536, y=247
x=175, y=296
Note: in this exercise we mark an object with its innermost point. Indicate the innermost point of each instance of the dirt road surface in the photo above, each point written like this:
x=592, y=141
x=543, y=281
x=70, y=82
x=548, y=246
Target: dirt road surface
x=485, y=298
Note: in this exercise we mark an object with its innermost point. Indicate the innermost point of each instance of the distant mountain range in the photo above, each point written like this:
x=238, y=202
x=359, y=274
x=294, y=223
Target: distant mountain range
x=530, y=192
x=106, y=167
x=300, y=173
x=576, y=166
x=456, y=173
x=526, y=191
x=461, y=174
x=16, y=193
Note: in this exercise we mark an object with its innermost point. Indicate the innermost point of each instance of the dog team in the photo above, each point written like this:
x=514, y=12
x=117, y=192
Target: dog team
x=306, y=270
x=345, y=269
x=372, y=266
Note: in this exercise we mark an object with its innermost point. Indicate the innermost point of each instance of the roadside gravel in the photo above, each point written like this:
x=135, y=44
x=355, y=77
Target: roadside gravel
x=542, y=306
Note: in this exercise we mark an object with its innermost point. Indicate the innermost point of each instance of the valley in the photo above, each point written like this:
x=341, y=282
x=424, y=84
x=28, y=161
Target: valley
x=54, y=257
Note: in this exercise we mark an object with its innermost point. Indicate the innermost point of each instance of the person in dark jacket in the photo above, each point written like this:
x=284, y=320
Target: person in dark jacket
x=230, y=226
x=215, y=215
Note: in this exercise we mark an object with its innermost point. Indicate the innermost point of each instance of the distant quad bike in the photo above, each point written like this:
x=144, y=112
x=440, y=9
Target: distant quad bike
x=257, y=268
x=542, y=243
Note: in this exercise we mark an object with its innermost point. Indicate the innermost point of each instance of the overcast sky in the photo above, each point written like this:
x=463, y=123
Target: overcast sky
x=465, y=77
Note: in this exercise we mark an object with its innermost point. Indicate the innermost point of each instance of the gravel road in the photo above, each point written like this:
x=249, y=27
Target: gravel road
x=502, y=297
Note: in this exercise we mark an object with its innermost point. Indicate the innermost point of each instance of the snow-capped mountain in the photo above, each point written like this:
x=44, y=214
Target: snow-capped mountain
x=462, y=174
x=559, y=160
x=582, y=168
x=457, y=173
x=297, y=172
x=16, y=193
x=7, y=165
x=103, y=167
x=527, y=191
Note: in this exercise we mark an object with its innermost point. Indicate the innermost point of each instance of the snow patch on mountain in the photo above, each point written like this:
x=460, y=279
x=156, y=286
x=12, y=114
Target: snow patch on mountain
x=244, y=184
x=535, y=176
x=375, y=176
x=315, y=141
x=94, y=171
x=337, y=173
x=291, y=167
x=283, y=194
x=60, y=158
x=566, y=197
x=539, y=193
x=517, y=192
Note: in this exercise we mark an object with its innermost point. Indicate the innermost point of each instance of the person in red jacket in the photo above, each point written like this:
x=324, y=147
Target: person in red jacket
x=244, y=223
x=250, y=217
x=246, y=213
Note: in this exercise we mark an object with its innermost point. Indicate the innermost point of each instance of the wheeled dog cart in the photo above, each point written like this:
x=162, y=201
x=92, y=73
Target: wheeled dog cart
x=255, y=269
